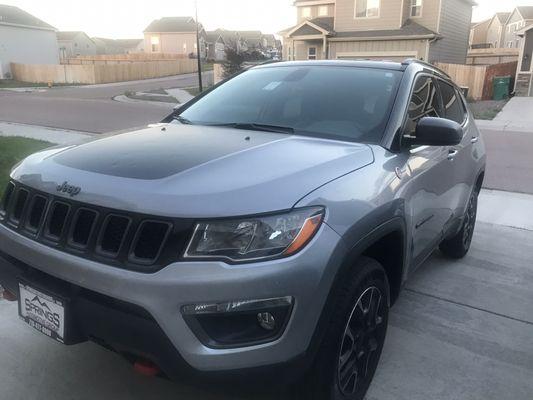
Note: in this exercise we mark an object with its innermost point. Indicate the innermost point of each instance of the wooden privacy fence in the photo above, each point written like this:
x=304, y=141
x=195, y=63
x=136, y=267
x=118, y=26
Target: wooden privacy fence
x=93, y=73
x=132, y=57
x=478, y=78
x=491, y=56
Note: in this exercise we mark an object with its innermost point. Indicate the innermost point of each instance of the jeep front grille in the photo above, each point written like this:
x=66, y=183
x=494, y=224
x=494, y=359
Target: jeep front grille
x=134, y=241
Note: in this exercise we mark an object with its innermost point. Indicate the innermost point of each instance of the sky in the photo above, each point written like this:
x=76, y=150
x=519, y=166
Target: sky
x=128, y=18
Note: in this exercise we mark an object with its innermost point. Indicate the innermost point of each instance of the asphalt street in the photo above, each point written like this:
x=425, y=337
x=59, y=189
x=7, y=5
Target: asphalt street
x=91, y=108
x=460, y=330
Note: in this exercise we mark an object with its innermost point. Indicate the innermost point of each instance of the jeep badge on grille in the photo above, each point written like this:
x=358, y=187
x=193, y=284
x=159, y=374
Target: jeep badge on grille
x=70, y=189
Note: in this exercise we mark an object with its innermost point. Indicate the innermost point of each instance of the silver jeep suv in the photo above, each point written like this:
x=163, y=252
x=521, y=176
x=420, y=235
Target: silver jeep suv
x=262, y=230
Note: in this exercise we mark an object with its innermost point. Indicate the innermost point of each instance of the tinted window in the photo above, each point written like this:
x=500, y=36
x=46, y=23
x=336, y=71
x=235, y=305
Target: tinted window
x=453, y=107
x=425, y=102
x=345, y=103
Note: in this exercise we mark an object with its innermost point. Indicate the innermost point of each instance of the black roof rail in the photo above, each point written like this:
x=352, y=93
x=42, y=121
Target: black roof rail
x=410, y=61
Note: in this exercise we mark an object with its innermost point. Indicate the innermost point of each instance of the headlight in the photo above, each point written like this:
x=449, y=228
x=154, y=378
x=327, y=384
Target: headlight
x=255, y=238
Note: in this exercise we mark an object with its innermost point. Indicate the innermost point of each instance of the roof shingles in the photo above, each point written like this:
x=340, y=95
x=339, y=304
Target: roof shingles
x=16, y=16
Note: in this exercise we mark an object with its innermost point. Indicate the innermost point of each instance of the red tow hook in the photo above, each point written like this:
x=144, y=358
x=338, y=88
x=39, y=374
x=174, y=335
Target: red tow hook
x=146, y=368
x=7, y=295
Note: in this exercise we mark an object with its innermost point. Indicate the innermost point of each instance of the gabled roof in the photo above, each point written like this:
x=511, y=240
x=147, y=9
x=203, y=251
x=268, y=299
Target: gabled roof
x=172, y=24
x=70, y=35
x=525, y=11
x=128, y=43
x=322, y=25
x=502, y=16
x=15, y=16
x=409, y=29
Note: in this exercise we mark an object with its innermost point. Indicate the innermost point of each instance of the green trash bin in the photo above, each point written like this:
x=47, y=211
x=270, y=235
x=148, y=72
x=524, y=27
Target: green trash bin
x=500, y=87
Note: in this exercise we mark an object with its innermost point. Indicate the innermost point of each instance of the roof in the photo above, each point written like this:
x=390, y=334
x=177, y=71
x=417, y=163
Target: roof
x=212, y=36
x=69, y=35
x=526, y=11
x=502, y=16
x=172, y=24
x=324, y=23
x=410, y=28
x=128, y=43
x=15, y=16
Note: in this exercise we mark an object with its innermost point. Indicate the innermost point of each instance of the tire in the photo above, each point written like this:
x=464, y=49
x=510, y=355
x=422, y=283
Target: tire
x=354, y=338
x=458, y=245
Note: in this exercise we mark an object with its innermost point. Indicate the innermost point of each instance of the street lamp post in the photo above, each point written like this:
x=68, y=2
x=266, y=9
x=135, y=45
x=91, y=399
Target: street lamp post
x=198, y=49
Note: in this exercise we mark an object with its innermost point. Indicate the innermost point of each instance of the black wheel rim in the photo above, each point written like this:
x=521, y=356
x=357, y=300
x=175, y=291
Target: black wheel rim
x=470, y=221
x=361, y=343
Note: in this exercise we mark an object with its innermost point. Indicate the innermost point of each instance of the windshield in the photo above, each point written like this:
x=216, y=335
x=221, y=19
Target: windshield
x=346, y=103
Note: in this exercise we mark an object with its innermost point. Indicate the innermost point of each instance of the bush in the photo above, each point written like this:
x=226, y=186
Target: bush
x=233, y=62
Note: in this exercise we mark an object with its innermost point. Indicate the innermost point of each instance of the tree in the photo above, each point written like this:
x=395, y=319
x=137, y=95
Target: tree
x=233, y=62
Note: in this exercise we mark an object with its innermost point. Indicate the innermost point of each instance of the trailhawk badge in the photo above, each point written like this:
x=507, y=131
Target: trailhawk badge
x=69, y=189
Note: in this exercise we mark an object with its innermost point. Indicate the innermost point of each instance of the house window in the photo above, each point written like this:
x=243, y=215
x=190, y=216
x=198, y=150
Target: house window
x=306, y=12
x=311, y=53
x=154, y=40
x=416, y=8
x=323, y=11
x=366, y=8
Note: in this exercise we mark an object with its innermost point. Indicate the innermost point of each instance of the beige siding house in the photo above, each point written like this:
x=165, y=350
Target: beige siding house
x=520, y=18
x=478, y=34
x=175, y=35
x=496, y=29
x=73, y=44
x=430, y=30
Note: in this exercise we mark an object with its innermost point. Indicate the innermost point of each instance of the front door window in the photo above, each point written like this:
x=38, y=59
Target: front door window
x=311, y=53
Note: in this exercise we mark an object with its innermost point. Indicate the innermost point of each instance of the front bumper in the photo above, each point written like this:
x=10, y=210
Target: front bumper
x=307, y=277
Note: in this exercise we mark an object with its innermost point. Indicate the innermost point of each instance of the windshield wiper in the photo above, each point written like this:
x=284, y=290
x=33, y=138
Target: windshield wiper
x=258, y=127
x=183, y=120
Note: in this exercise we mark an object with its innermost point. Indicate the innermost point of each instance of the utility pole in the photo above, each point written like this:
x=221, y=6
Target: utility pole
x=198, y=49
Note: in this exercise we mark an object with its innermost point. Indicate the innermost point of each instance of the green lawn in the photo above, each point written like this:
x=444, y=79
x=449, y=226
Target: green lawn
x=12, y=150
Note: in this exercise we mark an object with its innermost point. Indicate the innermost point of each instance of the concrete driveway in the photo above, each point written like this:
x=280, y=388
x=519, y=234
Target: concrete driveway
x=460, y=330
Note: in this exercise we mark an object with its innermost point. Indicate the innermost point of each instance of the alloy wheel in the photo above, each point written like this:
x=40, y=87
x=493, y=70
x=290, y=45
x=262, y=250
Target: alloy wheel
x=364, y=333
x=470, y=221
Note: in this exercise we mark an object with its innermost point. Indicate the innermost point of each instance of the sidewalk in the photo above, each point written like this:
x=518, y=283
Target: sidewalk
x=52, y=135
x=516, y=116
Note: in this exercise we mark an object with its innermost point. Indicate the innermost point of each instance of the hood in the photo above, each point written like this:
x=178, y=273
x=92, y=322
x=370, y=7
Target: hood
x=193, y=171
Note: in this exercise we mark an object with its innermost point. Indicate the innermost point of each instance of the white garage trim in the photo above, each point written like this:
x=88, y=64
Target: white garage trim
x=384, y=54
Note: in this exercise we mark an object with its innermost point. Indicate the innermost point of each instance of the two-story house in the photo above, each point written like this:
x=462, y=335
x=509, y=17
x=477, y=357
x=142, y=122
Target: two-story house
x=76, y=43
x=430, y=30
x=496, y=29
x=25, y=39
x=176, y=35
x=520, y=18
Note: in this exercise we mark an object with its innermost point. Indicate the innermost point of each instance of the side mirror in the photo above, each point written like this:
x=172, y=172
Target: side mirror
x=432, y=131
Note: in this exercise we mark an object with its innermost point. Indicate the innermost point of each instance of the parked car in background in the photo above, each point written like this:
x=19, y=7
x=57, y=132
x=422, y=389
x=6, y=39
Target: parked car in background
x=263, y=230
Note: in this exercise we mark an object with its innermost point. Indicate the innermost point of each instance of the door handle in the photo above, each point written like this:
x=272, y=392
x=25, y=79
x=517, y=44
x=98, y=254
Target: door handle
x=452, y=154
x=474, y=139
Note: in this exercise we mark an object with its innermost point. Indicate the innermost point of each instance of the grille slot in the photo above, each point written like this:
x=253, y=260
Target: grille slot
x=57, y=220
x=149, y=240
x=20, y=205
x=7, y=196
x=118, y=238
x=36, y=215
x=113, y=234
x=82, y=227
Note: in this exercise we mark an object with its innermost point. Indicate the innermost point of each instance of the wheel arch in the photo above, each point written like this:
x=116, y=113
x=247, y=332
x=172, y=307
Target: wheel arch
x=369, y=245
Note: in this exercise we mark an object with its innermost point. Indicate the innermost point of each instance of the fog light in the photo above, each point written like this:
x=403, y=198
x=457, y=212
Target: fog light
x=267, y=321
x=238, y=323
